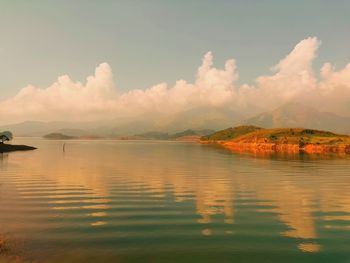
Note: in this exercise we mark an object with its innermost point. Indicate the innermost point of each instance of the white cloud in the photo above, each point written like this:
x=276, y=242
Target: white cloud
x=293, y=78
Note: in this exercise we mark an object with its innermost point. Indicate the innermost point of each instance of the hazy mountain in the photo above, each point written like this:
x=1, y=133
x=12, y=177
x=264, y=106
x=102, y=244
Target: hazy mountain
x=37, y=128
x=34, y=128
x=289, y=115
x=73, y=132
x=153, y=135
x=199, y=119
x=299, y=115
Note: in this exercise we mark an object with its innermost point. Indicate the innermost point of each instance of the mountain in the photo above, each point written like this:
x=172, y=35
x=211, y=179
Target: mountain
x=34, y=128
x=201, y=118
x=38, y=128
x=299, y=115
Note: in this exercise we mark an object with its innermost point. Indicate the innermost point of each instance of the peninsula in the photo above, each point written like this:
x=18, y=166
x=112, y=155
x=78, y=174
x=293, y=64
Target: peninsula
x=4, y=148
x=252, y=138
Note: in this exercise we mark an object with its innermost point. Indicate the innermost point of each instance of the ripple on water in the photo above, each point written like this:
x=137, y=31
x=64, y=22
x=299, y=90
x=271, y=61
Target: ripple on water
x=147, y=200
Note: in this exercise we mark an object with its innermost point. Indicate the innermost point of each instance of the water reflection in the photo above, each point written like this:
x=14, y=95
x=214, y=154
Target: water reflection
x=3, y=158
x=103, y=178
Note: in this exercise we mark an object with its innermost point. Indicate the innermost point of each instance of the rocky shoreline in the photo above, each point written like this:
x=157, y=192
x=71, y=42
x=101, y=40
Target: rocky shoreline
x=283, y=148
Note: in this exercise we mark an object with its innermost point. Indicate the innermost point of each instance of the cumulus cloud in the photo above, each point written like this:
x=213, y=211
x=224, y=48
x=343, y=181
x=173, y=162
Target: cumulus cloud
x=293, y=78
x=64, y=99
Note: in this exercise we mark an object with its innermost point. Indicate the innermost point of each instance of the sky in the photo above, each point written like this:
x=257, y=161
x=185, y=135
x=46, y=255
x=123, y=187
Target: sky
x=140, y=44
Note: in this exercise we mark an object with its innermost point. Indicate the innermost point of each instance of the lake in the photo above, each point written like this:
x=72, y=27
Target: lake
x=162, y=201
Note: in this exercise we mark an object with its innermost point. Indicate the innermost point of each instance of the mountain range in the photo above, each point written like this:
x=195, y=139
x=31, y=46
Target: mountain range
x=288, y=115
x=297, y=115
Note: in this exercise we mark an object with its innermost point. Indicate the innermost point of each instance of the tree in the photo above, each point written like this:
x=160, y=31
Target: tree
x=5, y=136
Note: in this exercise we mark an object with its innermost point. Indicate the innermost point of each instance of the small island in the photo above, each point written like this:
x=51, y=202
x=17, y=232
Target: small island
x=4, y=148
x=252, y=138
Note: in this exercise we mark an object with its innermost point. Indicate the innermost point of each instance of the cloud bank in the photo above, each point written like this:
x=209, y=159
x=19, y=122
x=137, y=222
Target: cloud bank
x=292, y=79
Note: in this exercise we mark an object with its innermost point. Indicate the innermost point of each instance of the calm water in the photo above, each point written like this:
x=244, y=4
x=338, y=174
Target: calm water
x=125, y=201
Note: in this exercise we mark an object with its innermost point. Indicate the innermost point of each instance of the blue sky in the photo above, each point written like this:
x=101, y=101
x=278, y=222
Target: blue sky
x=148, y=42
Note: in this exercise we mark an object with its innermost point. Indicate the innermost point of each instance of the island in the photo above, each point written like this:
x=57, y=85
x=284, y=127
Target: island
x=253, y=138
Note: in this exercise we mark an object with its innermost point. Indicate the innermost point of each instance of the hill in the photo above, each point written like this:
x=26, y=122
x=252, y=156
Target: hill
x=281, y=139
x=293, y=136
x=230, y=133
x=299, y=115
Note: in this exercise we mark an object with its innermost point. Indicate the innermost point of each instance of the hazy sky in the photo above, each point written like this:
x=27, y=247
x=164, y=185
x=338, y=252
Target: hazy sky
x=148, y=42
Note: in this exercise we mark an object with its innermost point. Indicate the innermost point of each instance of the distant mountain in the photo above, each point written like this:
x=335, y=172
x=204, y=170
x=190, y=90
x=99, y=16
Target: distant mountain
x=153, y=135
x=192, y=121
x=33, y=128
x=74, y=132
x=199, y=119
x=37, y=128
x=299, y=115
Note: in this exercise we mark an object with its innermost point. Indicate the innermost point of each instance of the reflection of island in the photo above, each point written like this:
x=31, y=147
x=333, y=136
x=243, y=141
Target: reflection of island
x=293, y=140
x=3, y=157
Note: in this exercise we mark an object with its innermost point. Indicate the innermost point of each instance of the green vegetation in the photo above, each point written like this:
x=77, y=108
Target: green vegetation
x=5, y=136
x=58, y=136
x=230, y=133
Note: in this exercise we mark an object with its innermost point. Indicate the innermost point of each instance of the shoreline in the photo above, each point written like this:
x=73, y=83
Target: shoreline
x=282, y=148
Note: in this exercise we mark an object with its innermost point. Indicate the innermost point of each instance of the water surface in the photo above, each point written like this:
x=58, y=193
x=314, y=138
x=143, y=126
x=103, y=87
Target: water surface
x=147, y=201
